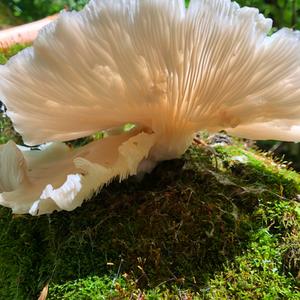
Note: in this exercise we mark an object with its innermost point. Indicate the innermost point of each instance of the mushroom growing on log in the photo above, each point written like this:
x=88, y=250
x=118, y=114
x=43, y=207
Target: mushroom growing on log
x=170, y=70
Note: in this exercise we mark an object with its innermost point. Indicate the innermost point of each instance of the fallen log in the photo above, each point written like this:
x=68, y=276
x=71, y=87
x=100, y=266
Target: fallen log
x=23, y=34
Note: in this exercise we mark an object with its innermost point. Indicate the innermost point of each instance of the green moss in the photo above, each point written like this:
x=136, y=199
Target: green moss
x=96, y=288
x=89, y=288
x=256, y=274
x=191, y=227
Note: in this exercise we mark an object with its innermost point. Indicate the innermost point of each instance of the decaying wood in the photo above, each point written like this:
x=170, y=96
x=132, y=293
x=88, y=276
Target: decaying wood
x=23, y=34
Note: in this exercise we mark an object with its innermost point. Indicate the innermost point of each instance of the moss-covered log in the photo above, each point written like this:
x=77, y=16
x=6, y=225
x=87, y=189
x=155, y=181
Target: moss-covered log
x=211, y=226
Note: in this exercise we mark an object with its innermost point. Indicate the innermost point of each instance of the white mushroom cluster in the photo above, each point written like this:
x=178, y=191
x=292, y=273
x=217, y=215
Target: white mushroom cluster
x=170, y=70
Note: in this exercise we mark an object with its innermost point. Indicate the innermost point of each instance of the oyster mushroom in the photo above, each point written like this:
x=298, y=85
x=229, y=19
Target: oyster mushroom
x=169, y=70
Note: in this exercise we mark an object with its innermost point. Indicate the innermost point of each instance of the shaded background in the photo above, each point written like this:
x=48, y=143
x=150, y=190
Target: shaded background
x=285, y=13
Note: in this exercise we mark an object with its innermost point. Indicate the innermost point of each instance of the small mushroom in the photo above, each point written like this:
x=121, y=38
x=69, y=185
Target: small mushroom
x=169, y=70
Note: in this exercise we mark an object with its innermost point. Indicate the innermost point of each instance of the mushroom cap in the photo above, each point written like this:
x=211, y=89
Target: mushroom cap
x=58, y=178
x=154, y=63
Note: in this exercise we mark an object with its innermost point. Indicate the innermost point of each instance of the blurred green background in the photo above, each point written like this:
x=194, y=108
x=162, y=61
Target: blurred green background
x=285, y=13
x=22, y=11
